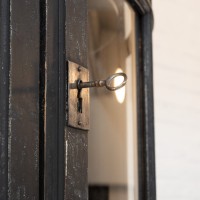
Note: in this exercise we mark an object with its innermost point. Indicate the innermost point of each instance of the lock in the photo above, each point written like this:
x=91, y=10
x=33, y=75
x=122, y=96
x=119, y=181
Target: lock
x=78, y=99
x=78, y=93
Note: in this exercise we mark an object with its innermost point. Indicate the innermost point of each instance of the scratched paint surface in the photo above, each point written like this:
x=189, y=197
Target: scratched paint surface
x=23, y=145
x=76, y=186
x=76, y=166
x=4, y=72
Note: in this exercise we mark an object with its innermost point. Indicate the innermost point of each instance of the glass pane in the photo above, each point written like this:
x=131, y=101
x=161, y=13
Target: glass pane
x=112, y=136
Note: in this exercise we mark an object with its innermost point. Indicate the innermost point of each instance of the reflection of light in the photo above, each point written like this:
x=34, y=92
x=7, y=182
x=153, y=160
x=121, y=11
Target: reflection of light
x=130, y=104
x=120, y=93
x=113, y=3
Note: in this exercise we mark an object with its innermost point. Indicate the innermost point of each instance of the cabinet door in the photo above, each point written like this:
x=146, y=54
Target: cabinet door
x=19, y=99
x=42, y=155
x=64, y=150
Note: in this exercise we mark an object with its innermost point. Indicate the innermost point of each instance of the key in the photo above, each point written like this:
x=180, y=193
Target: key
x=101, y=83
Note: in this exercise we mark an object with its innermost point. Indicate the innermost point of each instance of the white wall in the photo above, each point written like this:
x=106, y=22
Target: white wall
x=177, y=98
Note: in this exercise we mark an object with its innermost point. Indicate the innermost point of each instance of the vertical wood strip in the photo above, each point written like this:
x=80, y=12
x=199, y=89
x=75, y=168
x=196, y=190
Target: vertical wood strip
x=51, y=112
x=146, y=148
x=54, y=97
x=23, y=146
x=76, y=186
x=4, y=94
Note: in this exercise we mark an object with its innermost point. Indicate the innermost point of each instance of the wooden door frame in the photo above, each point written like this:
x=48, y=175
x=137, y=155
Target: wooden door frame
x=19, y=77
x=56, y=33
x=145, y=100
x=4, y=95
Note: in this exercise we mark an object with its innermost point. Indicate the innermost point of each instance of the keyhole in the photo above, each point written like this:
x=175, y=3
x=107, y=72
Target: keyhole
x=80, y=99
x=79, y=104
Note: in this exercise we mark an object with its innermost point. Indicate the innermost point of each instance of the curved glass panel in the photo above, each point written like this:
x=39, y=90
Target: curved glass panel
x=112, y=138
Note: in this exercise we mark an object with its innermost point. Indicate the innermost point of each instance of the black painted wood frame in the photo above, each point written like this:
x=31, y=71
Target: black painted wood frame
x=4, y=94
x=39, y=154
x=19, y=99
x=145, y=102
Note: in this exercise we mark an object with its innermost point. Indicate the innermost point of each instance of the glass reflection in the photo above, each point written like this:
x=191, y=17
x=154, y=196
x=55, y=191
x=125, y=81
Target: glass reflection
x=112, y=137
x=120, y=94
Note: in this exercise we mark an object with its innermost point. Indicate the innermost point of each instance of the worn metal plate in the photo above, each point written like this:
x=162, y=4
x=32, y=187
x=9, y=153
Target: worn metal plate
x=75, y=118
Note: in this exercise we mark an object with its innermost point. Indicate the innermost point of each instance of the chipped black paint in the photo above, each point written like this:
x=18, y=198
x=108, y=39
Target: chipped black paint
x=76, y=31
x=4, y=95
x=20, y=51
x=76, y=186
x=53, y=101
x=23, y=144
x=145, y=112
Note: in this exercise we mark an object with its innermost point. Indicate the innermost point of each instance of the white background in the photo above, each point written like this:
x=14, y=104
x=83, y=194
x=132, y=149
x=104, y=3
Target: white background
x=176, y=38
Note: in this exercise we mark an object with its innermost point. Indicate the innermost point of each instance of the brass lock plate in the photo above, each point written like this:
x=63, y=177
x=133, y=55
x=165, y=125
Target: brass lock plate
x=76, y=118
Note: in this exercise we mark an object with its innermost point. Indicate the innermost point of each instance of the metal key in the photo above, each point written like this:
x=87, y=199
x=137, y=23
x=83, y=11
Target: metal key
x=100, y=83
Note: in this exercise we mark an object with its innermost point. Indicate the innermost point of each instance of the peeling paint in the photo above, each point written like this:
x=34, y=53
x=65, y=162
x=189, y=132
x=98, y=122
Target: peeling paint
x=23, y=128
x=66, y=150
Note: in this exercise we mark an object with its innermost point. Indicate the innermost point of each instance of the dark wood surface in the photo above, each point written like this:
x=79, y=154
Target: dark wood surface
x=34, y=38
x=53, y=99
x=76, y=186
x=150, y=177
x=145, y=112
x=4, y=94
x=23, y=131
